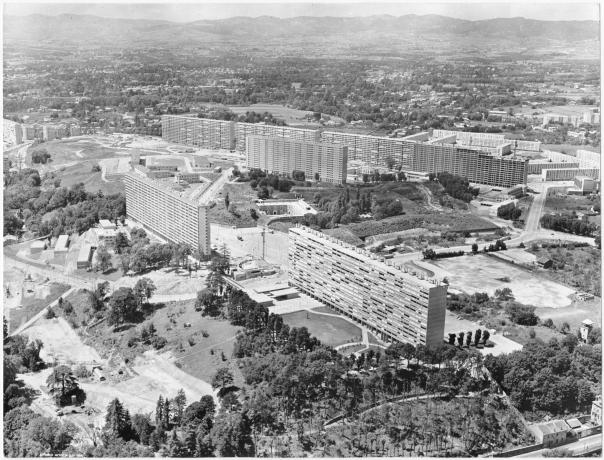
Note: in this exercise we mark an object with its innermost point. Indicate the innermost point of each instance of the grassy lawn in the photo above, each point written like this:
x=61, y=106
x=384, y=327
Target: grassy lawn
x=329, y=330
x=242, y=196
x=522, y=334
x=68, y=150
x=82, y=172
x=195, y=354
x=582, y=268
x=31, y=305
x=568, y=203
x=454, y=221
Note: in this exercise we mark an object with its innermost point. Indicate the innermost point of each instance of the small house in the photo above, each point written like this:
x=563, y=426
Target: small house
x=545, y=262
x=37, y=247
x=550, y=434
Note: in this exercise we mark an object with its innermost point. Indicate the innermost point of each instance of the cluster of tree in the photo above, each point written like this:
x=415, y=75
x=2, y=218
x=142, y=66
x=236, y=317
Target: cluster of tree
x=431, y=254
x=28, y=434
x=138, y=254
x=19, y=357
x=558, y=377
x=479, y=336
x=509, y=211
x=298, y=175
x=177, y=430
x=248, y=117
x=522, y=314
x=457, y=186
x=53, y=209
x=470, y=304
x=40, y=156
x=148, y=336
x=268, y=182
x=384, y=177
x=498, y=246
x=23, y=355
x=63, y=386
x=129, y=304
x=568, y=224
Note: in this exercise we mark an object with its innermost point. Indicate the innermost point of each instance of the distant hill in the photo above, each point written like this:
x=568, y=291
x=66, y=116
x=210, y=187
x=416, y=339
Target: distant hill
x=245, y=31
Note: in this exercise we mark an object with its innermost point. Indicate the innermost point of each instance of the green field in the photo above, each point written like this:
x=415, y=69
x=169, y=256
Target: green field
x=329, y=330
x=568, y=203
x=195, y=354
x=454, y=221
x=82, y=172
x=242, y=197
x=69, y=150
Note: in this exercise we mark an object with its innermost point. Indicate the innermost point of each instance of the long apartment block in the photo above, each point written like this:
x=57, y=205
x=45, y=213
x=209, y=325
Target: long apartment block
x=200, y=132
x=394, y=304
x=243, y=130
x=477, y=167
x=283, y=155
x=569, y=174
x=413, y=153
x=166, y=213
x=378, y=151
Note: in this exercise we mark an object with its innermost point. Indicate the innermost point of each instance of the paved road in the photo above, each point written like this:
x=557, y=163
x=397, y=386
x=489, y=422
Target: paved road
x=210, y=193
x=578, y=448
x=35, y=318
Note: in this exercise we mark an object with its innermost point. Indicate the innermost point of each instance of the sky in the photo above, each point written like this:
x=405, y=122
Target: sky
x=187, y=12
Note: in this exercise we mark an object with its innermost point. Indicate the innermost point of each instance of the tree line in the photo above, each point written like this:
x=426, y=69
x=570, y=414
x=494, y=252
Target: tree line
x=568, y=223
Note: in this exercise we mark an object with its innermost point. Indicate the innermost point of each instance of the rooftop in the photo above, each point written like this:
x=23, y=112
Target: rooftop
x=363, y=255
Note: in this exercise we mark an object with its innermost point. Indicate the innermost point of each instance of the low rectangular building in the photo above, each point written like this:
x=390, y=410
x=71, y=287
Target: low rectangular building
x=326, y=162
x=37, y=246
x=550, y=434
x=394, y=304
x=62, y=244
x=85, y=255
x=106, y=224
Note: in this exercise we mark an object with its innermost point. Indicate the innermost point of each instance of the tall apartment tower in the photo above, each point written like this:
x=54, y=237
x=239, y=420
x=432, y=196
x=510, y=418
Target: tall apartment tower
x=394, y=304
x=166, y=213
x=282, y=155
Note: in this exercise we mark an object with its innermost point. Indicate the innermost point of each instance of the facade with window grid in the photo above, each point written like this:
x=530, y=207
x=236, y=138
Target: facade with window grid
x=166, y=213
x=392, y=303
x=283, y=156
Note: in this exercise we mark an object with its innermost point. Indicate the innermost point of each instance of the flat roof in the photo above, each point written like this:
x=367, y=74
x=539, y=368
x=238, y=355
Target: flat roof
x=84, y=254
x=38, y=244
x=362, y=255
x=62, y=241
x=106, y=223
x=285, y=291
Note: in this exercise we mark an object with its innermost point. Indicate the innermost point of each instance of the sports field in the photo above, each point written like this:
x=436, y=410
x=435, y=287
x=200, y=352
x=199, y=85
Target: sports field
x=482, y=273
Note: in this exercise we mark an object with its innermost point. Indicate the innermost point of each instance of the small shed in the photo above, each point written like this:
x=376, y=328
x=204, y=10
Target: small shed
x=545, y=262
x=37, y=246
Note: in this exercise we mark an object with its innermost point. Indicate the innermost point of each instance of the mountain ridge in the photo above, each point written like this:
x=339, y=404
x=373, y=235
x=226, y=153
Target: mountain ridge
x=371, y=30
